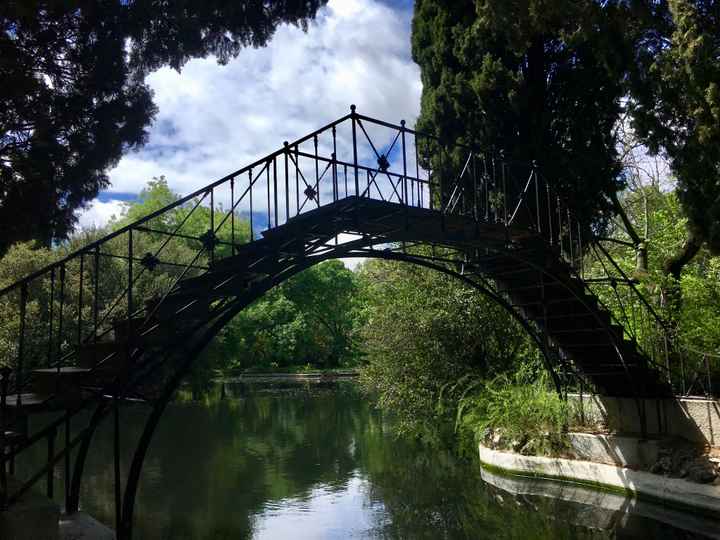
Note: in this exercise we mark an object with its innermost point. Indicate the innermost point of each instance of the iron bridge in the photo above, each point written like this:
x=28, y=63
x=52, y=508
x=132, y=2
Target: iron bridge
x=357, y=187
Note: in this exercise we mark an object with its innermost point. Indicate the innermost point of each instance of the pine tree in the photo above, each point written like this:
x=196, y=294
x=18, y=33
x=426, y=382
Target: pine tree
x=540, y=81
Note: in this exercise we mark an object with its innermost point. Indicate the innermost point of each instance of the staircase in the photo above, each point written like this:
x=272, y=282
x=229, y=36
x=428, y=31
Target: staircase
x=129, y=347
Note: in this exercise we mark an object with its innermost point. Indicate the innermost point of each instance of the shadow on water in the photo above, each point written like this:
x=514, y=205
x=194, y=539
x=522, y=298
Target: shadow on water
x=315, y=460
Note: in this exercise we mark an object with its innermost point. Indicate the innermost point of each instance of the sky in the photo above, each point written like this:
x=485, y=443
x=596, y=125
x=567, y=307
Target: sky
x=214, y=119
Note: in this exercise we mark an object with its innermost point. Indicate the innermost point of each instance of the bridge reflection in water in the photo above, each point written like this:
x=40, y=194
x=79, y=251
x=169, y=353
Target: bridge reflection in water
x=310, y=462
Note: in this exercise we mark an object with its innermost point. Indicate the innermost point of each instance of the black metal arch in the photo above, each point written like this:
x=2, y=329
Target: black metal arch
x=361, y=247
x=344, y=250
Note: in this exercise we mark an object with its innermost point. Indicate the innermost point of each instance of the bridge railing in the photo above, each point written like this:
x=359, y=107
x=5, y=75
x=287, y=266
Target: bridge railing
x=689, y=370
x=85, y=296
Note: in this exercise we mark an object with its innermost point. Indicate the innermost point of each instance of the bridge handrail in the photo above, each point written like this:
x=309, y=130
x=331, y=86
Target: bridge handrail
x=185, y=199
x=204, y=190
x=482, y=183
x=421, y=179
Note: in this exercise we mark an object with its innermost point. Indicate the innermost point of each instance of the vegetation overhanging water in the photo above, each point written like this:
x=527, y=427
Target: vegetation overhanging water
x=319, y=461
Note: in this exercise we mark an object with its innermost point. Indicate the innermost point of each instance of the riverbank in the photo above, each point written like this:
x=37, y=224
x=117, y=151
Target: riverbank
x=673, y=492
x=301, y=376
x=289, y=378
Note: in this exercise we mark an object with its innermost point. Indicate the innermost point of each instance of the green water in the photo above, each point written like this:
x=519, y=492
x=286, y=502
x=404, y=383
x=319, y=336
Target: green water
x=314, y=463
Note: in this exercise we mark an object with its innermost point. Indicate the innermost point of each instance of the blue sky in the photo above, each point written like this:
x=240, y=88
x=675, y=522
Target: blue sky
x=214, y=119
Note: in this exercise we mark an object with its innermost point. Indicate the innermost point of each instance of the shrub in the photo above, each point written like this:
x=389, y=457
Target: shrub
x=514, y=413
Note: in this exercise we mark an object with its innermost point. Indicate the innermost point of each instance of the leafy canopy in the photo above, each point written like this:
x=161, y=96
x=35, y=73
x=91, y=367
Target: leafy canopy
x=73, y=97
x=539, y=81
x=424, y=330
x=675, y=106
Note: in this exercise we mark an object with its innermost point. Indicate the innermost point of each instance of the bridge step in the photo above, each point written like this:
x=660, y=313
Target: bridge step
x=33, y=517
x=62, y=383
x=12, y=437
x=28, y=403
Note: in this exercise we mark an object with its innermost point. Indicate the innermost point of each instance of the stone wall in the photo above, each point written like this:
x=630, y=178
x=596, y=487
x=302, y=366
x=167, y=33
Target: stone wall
x=695, y=419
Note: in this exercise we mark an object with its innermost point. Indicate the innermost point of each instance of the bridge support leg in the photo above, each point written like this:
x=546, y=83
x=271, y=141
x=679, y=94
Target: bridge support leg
x=72, y=504
x=642, y=413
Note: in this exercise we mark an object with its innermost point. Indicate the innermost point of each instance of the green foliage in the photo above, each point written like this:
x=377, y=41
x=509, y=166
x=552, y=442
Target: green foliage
x=21, y=260
x=310, y=319
x=513, y=75
x=522, y=412
x=271, y=333
x=691, y=312
x=424, y=330
x=675, y=106
x=74, y=97
x=327, y=297
x=191, y=219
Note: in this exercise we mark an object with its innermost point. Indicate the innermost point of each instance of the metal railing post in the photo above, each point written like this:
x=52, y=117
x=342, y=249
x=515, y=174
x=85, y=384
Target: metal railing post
x=96, y=289
x=504, y=188
x=287, y=181
x=21, y=344
x=537, y=197
x=317, y=171
x=51, y=308
x=353, y=117
x=5, y=373
x=51, y=467
x=211, y=237
x=80, y=300
x=130, y=285
x=60, y=323
x=336, y=189
x=275, y=190
x=475, y=212
x=404, y=181
x=250, y=195
x=232, y=216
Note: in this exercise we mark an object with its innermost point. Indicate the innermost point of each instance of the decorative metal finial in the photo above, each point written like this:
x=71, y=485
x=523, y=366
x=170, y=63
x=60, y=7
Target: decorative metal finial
x=352, y=108
x=383, y=163
x=149, y=261
x=310, y=193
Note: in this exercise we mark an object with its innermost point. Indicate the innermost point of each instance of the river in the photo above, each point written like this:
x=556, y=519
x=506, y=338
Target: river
x=315, y=462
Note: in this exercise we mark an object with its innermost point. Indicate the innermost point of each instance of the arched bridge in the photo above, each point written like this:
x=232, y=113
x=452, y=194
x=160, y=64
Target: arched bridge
x=358, y=187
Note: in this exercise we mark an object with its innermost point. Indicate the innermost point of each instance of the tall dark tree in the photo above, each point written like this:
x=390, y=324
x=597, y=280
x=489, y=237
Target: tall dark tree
x=675, y=106
x=73, y=97
x=541, y=81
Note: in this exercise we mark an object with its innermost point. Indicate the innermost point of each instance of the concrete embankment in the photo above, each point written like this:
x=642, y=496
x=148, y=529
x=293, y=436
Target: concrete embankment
x=673, y=492
x=696, y=419
x=35, y=517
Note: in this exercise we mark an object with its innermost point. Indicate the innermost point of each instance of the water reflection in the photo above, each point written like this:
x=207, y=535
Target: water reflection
x=315, y=462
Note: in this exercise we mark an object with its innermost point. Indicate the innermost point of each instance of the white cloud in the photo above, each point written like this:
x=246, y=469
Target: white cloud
x=215, y=119
x=98, y=213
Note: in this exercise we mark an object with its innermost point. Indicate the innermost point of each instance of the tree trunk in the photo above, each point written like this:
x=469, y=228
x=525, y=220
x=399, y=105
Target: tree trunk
x=672, y=292
x=641, y=260
x=674, y=265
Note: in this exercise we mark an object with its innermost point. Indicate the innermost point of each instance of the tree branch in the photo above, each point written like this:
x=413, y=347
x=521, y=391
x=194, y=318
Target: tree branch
x=625, y=219
x=674, y=265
